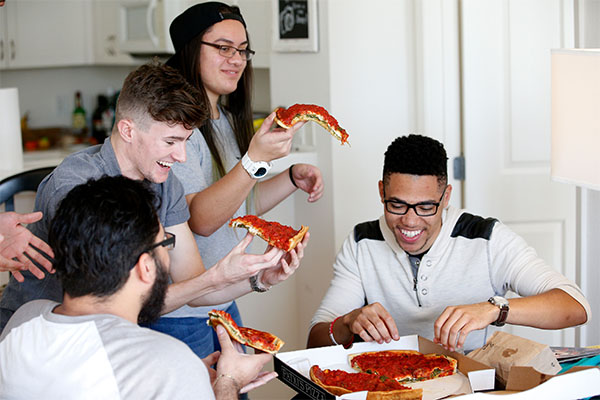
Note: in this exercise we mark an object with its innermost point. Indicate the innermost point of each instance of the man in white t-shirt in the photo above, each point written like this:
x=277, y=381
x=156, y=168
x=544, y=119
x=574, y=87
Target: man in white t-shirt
x=112, y=261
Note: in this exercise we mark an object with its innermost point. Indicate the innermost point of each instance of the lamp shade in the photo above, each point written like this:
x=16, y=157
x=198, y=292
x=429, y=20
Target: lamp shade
x=576, y=117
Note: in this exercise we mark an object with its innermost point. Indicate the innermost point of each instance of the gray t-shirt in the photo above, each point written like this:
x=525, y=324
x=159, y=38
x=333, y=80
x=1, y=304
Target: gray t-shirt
x=78, y=168
x=196, y=174
x=100, y=356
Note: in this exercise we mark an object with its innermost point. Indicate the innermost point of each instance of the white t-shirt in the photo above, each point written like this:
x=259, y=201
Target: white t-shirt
x=50, y=356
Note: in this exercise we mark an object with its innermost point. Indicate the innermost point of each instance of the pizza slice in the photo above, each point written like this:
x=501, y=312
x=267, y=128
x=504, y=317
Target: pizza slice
x=277, y=235
x=340, y=382
x=310, y=112
x=263, y=341
x=404, y=365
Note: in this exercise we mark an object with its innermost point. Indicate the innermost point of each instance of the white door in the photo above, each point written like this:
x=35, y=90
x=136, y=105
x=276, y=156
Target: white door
x=506, y=107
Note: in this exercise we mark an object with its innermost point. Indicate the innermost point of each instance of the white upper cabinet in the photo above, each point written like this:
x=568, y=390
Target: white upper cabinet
x=105, y=27
x=45, y=33
x=4, y=41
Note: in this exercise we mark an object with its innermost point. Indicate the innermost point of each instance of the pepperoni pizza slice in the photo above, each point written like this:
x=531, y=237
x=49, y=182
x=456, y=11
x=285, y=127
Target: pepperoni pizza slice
x=310, y=112
x=403, y=365
x=263, y=341
x=277, y=235
x=340, y=382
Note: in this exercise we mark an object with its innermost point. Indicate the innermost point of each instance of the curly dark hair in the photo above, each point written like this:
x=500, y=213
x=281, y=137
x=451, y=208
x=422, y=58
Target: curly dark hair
x=160, y=92
x=99, y=231
x=416, y=155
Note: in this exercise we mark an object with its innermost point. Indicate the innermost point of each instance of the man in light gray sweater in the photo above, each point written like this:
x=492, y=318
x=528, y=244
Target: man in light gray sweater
x=112, y=260
x=430, y=269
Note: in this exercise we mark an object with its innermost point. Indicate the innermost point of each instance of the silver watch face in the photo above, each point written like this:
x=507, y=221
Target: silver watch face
x=499, y=301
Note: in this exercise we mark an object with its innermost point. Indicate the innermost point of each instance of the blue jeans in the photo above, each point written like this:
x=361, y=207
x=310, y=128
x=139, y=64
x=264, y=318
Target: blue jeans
x=195, y=332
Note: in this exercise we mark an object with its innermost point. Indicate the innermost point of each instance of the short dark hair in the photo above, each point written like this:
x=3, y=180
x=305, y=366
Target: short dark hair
x=99, y=231
x=157, y=91
x=416, y=155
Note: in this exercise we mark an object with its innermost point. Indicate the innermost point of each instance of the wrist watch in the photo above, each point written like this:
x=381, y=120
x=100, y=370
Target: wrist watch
x=257, y=285
x=502, y=304
x=256, y=169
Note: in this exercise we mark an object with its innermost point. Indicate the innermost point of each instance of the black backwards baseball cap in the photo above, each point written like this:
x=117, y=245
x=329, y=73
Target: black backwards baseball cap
x=196, y=19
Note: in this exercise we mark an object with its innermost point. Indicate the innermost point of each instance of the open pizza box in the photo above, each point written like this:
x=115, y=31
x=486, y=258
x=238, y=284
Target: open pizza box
x=293, y=369
x=577, y=383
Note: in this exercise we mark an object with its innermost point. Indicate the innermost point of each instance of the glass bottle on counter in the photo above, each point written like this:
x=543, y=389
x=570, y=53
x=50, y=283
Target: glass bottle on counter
x=99, y=131
x=79, y=124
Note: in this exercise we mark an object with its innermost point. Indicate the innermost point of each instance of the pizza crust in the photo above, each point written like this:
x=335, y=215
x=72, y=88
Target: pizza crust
x=216, y=317
x=240, y=335
x=310, y=112
x=412, y=394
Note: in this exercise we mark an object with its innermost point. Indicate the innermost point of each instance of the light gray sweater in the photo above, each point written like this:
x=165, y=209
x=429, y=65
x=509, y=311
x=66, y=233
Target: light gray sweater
x=471, y=260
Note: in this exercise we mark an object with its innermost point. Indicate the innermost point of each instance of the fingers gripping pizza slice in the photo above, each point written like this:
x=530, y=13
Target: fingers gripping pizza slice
x=277, y=235
x=404, y=365
x=286, y=118
x=340, y=382
x=263, y=341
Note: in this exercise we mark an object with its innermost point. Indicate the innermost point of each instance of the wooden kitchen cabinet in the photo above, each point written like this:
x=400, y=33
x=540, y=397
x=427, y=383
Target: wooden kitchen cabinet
x=44, y=33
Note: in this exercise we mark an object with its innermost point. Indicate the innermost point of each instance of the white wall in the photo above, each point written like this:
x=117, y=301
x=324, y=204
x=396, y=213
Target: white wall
x=48, y=94
x=372, y=93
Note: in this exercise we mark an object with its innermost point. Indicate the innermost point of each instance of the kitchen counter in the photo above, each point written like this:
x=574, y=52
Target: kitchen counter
x=50, y=158
x=40, y=159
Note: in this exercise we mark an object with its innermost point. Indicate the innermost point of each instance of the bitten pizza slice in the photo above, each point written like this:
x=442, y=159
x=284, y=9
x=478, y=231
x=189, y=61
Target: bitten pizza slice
x=310, y=112
x=263, y=341
x=340, y=382
x=277, y=235
x=403, y=365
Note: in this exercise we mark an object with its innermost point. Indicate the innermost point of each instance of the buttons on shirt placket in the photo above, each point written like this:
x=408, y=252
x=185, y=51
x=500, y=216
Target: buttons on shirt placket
x=424, y=276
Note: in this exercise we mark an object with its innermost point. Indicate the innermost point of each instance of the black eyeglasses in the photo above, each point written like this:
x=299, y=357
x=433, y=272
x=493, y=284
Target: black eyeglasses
x=423, y=209
x=229, y=51
x=169, y=243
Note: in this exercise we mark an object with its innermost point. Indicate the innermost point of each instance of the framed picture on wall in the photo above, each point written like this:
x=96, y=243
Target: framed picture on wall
x=295, y=26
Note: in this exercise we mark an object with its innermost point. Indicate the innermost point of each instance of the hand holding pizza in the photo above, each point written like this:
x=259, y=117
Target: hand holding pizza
x=309, y=179
x=209, y=361
x=288, y=264
x=269, y=144
x=372, y=323
x=238, y=265
x=244, y=369
x=456, y=322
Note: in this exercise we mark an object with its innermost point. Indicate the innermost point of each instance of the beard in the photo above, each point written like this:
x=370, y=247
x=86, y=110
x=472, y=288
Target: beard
x=155, y=301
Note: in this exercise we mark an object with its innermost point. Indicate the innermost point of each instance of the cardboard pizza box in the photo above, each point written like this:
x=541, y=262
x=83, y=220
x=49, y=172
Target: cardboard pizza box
x=293, y=369
x=577, y=383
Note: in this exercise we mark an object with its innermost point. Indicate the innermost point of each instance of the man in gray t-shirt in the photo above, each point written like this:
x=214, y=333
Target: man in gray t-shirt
x=156, y=113
x=112, y=259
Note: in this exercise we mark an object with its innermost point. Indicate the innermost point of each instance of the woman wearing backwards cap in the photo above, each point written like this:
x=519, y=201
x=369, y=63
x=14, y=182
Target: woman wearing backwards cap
x=225, y=158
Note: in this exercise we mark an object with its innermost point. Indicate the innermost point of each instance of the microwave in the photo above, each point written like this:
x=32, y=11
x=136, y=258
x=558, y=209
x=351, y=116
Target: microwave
x=144, y=25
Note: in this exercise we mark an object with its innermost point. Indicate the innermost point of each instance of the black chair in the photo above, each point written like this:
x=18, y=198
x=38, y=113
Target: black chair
x=21, y=182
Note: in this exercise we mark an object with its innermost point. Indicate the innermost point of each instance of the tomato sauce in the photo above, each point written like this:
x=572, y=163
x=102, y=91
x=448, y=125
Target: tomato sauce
x=275, y=233
x=288, y=115
x=403, y=365
x=358, y=381
x=265, y=339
